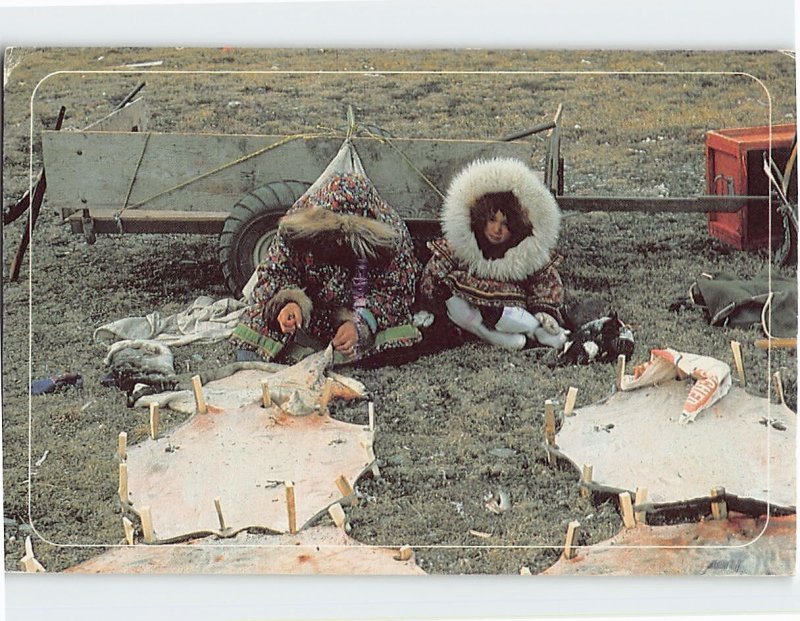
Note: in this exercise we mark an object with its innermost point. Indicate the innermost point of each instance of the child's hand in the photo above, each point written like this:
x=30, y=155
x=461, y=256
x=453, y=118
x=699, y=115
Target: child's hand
x=549, y=323
x=290, y=318
x=345, y=339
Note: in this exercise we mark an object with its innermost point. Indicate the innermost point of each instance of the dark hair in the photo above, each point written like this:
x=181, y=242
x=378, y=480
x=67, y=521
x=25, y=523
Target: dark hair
x=483, y=209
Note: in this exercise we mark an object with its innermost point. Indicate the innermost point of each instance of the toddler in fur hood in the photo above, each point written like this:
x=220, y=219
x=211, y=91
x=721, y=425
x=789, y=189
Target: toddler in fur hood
x=341, y=270
x=494, y=272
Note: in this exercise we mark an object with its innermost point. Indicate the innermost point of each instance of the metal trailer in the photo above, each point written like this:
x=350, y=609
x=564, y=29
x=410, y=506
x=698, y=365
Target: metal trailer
x=116, y=177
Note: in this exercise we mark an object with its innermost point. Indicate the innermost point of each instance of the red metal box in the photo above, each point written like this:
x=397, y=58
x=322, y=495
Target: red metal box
x=734, y=165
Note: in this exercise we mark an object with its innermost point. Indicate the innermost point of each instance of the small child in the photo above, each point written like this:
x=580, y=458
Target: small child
x=494, y=272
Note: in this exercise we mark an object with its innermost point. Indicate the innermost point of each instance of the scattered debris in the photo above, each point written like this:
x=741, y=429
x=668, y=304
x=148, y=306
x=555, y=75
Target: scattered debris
x=499, y=502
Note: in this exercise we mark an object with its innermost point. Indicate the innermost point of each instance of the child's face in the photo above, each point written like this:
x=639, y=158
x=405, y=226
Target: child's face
x=496, y=229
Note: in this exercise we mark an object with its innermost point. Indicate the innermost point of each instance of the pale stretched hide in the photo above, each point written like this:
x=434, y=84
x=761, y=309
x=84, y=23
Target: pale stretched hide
x=318, y=550
x=740, y=546
x=243, y=457
x=713, y=378
x=298, y=390
x=634, y=439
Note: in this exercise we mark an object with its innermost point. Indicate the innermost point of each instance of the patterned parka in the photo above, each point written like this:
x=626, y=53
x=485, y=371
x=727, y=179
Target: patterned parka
x=525, y=275
x=341, y=253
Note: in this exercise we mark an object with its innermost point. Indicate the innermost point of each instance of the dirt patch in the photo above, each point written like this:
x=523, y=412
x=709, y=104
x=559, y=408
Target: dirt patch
x=453, y=427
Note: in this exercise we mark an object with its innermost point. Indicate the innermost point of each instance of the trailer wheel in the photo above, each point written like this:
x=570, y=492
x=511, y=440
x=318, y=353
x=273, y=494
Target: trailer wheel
x=250, y=228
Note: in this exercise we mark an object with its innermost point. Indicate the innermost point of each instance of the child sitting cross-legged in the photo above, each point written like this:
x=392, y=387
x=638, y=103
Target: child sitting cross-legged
x=494, y=272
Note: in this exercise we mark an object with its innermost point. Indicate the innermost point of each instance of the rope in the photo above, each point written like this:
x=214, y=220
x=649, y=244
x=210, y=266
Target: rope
x=244, y=158
x=135, y=174
x=388, y=141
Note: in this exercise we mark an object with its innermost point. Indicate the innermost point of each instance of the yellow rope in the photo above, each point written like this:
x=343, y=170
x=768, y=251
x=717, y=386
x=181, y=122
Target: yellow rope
x=388, y=141
x=136, y=172
x=244, y=158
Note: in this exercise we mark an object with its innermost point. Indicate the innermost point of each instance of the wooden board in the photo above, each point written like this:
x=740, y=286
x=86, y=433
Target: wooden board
x=131, y=118
x=738, y=546
x=198, y=172
x=633, y=440
x=319, y=550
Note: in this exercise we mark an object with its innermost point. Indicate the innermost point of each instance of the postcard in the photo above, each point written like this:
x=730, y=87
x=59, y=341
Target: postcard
x=399, y=311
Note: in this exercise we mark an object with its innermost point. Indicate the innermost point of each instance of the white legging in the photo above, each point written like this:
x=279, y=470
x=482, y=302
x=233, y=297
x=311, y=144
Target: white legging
x=469, y=318
x=515, y=322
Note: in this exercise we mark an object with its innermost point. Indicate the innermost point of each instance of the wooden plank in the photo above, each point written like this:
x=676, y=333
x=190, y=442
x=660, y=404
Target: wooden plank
x=132, y=117
x=149, y=166
x=150, y=221
x=698, y=204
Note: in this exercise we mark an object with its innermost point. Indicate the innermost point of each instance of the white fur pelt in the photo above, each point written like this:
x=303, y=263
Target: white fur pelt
x=501, y=175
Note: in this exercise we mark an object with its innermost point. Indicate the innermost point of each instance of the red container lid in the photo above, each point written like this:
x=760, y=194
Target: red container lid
x=741, y=139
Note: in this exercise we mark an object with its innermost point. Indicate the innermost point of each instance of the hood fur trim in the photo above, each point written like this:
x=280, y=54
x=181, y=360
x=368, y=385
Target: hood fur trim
x=501, y=175
x=317, y=226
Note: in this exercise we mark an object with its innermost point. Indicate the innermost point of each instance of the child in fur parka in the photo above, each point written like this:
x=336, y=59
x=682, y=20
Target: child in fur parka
x=340, y=270
x=494, y=272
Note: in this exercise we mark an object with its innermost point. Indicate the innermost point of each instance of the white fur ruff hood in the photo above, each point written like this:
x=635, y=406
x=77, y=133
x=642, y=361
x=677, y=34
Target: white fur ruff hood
x=501, y=175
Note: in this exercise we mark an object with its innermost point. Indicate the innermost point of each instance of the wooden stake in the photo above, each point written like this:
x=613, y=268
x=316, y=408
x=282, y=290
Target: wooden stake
x=620, y=370
x=736, y=347
x=325, y=397
x=128, y=526
x=291, y=508
x=569, y=404
x=569, y=544
x=123, y=483
x=221, y=519
x=586, y=478
x=719, y=508
x=371, y=411
x=33, y=214
x=337, y=514
x=266, y=398
x=199, y=397
x=147, y=525
x=122, y=446
x=790, y=343
x=28, y=563
x=404, y=554
x=641, y=497
x=779, y=386
x=627, y=510
x=346, y=489
x=366, y=440
x=550, y=428
x=155, y=420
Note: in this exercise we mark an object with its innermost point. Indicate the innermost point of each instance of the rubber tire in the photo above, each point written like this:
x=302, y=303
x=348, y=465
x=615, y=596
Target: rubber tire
x=251, y=226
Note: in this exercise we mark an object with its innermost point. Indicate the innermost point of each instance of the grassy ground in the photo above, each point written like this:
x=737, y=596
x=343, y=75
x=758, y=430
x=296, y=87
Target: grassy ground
x=634, y=124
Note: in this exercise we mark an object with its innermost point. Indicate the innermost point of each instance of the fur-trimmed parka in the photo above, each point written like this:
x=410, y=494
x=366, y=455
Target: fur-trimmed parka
x=525, y=275
x=341, y=253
